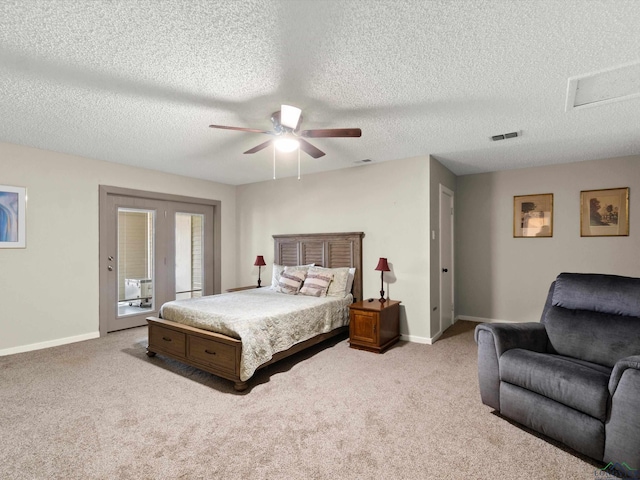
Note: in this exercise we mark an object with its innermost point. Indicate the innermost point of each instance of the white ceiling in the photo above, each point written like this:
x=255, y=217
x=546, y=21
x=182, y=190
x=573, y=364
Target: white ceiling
x=138, y=81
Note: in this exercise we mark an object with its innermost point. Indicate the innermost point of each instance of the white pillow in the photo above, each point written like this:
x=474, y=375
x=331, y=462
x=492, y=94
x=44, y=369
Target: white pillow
x=277, y=271
x=317, y=283
x=291, y=280
x=352, y=275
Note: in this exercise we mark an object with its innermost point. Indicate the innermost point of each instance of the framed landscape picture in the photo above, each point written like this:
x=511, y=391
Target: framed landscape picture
x=533, y=216
x=604, y=213
x=13, y=202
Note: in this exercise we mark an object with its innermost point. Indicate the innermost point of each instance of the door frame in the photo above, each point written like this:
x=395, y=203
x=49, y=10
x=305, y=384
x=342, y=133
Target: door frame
x=104, y=234
x=450, y=193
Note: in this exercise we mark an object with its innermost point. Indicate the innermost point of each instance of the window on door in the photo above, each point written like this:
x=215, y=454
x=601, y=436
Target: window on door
x=135, y=260
x=189, y=256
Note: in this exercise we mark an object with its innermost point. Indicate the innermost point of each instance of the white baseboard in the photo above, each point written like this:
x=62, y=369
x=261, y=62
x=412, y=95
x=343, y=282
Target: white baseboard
x=481, y=320
x=48, y=344
x=422, y=340
x=415, y=339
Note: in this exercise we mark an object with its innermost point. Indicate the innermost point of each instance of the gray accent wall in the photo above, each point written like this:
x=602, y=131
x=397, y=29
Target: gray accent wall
x=499, y=277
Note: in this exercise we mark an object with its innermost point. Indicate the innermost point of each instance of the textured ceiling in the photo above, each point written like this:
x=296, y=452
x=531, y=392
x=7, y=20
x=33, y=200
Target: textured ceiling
x=138, y=81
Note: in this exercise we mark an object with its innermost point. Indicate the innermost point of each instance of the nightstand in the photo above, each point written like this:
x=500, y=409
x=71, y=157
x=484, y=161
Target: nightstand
x=237, y=289
x=374, y=326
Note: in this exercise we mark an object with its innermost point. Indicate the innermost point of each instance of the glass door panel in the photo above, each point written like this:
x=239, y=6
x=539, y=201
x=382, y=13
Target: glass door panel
x=189, y=255
x=136, y=238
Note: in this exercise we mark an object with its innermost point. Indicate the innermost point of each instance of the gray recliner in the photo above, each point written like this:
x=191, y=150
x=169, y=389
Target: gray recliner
x=575, y=376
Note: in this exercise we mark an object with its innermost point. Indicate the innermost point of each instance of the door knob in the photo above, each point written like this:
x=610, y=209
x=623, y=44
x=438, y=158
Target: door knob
x=110, y=268
x=110, y=258
x=445, y=270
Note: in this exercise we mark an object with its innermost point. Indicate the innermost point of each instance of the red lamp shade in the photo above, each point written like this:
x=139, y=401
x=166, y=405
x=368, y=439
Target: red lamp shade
x=259, y=261
x=383, y=266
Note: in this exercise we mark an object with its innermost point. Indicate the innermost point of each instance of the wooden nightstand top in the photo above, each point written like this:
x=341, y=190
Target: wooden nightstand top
x=374, y=306
x=238, y=289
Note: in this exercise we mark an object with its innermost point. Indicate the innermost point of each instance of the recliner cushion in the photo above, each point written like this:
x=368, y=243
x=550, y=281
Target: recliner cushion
x=576, y=385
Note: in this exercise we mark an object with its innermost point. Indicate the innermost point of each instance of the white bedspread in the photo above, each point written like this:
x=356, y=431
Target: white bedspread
x=266, y=321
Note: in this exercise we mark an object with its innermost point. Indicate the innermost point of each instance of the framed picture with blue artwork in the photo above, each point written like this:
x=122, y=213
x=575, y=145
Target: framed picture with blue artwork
x=13, y=217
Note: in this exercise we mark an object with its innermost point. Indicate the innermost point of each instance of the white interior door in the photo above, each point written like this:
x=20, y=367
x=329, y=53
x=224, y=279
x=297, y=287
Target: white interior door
x=446, y=258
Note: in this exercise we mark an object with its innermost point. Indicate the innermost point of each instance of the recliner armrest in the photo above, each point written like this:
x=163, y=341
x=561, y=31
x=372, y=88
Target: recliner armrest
x=619, y=368
x=493, y=340
x=622, y=428
x=529, y=336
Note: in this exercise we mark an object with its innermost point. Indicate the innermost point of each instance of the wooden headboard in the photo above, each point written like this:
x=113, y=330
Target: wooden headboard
x=329, y=250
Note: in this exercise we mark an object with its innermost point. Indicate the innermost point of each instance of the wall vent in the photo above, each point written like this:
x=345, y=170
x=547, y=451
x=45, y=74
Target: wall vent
x=505, y=136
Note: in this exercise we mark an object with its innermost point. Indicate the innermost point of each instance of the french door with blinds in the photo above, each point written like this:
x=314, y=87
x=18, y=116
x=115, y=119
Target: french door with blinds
x=153, y=248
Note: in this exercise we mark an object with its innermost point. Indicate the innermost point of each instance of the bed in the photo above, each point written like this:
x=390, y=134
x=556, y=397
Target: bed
x=232, y=335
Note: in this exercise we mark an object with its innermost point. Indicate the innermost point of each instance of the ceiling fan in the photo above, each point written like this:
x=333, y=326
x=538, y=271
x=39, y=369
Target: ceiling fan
x=286, y=129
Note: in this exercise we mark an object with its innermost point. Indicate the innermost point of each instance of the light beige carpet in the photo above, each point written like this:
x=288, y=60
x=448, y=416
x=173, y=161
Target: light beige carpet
x=102, y=409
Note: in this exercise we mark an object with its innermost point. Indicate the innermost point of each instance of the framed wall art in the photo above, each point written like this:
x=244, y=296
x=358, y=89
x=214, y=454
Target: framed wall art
x=604, y=213
x=533, y=216
x=13, y=204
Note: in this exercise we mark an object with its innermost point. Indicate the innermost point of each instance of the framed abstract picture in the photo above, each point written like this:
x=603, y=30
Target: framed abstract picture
x=13, y=205
x=604, y=213
x=533, y=216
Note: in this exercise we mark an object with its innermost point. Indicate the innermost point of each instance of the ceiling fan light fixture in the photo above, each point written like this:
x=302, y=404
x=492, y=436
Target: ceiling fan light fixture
x=289, y=116
x=287, y=144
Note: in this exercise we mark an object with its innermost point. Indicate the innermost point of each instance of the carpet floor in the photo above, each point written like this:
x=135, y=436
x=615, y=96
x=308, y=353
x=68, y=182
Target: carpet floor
x=102, y=409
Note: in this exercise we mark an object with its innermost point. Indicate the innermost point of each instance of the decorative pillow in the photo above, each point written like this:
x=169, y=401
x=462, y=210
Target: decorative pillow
x=291, y=280
x=317, y=283
x=277, y=271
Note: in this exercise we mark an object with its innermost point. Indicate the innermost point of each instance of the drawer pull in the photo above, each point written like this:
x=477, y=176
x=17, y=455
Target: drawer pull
x=210, y=353
x=166, y=339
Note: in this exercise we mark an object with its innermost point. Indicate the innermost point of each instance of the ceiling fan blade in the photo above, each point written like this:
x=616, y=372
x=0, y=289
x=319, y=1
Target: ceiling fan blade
x=332, y=132
x=310, y=149
x=260, y=147
x=252, y=130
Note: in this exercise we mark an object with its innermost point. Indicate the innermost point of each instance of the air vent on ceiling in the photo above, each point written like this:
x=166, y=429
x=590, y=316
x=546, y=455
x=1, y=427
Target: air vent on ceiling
x=504, y=136
x=606, y=86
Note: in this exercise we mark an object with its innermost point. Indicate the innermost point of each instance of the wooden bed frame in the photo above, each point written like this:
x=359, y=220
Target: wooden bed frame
x=220, y=354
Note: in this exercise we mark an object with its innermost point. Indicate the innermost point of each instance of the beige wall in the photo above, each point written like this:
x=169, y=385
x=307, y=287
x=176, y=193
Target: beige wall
x=388, y=201
x=49, y=291
x=439, y=176
x=504, y=278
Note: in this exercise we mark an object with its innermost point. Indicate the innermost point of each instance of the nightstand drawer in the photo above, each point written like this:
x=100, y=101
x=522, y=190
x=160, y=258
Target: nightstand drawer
x=167, y=340
x=211, y=353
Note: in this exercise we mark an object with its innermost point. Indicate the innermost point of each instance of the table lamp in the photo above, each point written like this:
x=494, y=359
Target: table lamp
x=382, y=267
x=259, y=263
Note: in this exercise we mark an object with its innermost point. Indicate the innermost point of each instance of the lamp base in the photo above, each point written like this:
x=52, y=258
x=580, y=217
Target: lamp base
x=382, y=299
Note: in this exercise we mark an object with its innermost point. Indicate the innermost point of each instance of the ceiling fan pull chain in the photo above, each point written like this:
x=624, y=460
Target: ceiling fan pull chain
x=298, y=162
x=274, y=161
